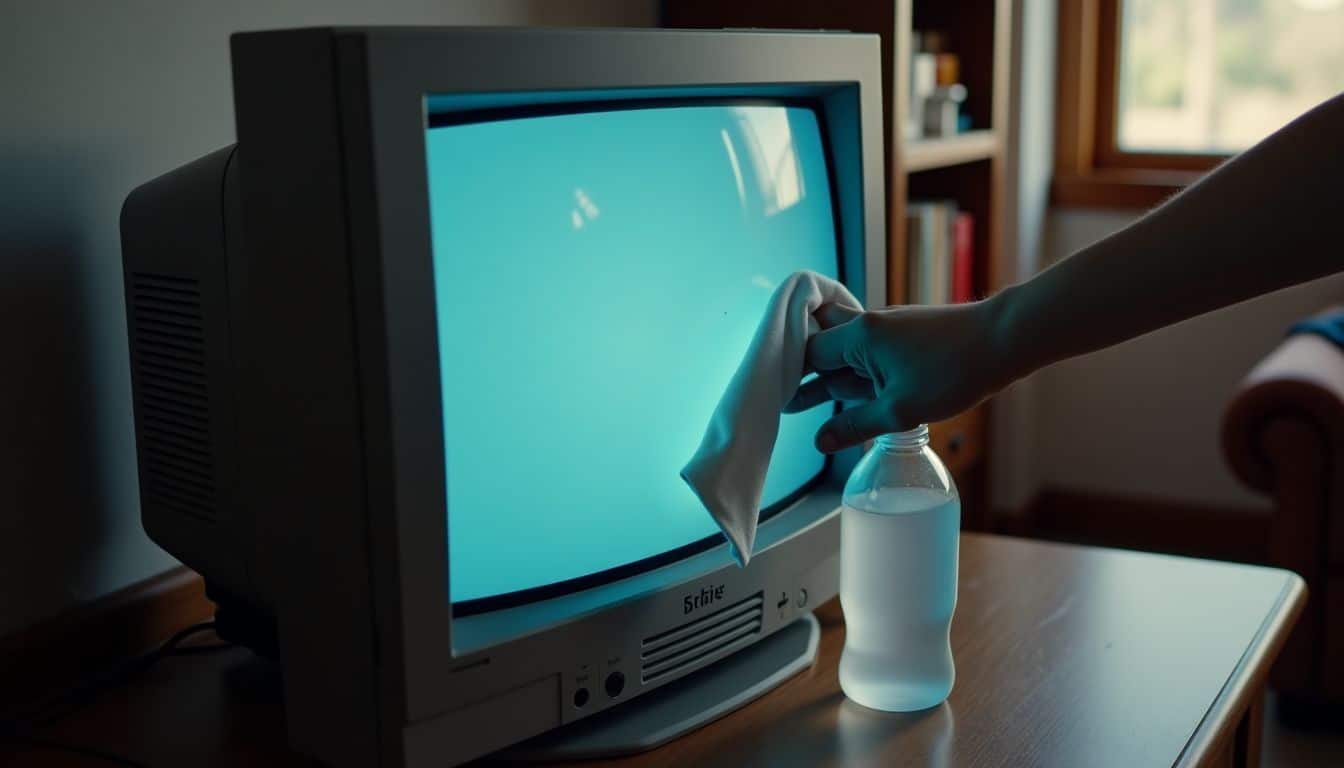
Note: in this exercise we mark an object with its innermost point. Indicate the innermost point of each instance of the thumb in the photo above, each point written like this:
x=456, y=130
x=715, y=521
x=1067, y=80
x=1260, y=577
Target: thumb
x=853, y=426
x=833, y=314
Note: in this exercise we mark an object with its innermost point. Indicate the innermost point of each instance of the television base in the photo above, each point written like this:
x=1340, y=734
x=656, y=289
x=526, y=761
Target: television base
x=681, y=706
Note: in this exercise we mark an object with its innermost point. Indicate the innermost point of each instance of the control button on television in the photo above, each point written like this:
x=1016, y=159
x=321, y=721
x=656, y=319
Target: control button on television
x=615, y=684
x=802, y=598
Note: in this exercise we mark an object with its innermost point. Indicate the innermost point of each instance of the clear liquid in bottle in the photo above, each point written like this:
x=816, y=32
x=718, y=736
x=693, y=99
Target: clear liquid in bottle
x=900, y=526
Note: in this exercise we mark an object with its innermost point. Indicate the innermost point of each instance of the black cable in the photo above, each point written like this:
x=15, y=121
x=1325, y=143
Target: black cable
x=182, y=634
x=66, y=702
x=19, y=730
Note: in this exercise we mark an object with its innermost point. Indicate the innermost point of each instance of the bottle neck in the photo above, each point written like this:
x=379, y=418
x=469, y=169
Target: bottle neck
x=911, y=440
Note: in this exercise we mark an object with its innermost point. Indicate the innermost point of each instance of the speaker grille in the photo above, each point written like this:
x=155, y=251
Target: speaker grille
x=696, y=642
x=169, y=366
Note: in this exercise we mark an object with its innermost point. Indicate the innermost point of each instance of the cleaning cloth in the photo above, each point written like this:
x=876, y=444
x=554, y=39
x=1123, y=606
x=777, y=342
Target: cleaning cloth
x=727, y=472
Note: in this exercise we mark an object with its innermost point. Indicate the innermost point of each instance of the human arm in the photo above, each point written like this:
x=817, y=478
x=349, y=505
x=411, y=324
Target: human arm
x=1269, y=218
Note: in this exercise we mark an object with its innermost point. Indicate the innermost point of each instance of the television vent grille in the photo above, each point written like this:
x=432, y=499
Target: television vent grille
x=702, y=640
x=168, y=363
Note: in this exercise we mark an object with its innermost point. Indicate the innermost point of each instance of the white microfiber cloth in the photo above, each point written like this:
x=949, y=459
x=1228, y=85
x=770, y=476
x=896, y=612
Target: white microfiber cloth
x=727, y=472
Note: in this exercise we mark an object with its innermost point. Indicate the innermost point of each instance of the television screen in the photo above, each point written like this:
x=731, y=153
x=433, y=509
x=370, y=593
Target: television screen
x=598, y=277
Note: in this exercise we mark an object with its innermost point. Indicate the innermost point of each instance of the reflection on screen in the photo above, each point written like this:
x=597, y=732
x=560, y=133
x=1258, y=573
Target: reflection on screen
x=599, y=276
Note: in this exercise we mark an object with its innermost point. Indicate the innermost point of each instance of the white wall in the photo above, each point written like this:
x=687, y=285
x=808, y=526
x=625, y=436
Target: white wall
x=1142, y=418
x=1015, y=478
x=96, y=98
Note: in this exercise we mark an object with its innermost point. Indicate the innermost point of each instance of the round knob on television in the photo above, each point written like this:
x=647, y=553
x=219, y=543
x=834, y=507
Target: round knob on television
x=615, y=684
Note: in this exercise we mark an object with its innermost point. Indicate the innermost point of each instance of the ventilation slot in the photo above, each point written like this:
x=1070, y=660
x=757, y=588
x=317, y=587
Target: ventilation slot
x=173, y=400
x=691, y=645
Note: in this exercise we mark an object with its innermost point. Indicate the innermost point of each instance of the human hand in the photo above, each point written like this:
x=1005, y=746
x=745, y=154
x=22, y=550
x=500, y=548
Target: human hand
x=910, y=365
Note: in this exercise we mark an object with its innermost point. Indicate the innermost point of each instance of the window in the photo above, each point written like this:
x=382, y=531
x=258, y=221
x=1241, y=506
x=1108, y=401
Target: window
x=1216, y=76
x=1152, y=93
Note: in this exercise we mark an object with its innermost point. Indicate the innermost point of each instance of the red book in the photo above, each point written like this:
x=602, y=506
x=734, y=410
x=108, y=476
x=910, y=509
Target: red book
x=963, y=258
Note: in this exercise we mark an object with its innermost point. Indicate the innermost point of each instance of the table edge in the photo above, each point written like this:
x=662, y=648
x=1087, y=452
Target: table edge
x=1248, y=676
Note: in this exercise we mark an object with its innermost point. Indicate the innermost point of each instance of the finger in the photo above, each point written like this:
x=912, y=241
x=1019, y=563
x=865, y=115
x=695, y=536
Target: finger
x=809, y=395
x=826, y=349
x=853, y=426
x=840, y=385
x=849, y=385
x=831, y=315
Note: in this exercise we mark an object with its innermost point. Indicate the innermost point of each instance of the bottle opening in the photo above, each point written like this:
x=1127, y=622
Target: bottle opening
x=914, y=438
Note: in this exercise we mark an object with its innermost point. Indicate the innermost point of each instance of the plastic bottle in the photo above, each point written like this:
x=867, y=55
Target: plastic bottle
x=898, y=575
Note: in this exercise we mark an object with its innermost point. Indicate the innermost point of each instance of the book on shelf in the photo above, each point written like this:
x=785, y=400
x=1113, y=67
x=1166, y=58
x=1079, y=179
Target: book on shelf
x=963, y=261
x=940, y=252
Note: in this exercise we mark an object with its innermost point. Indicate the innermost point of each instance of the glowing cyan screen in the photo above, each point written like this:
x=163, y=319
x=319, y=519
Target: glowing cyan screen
x=598, y=278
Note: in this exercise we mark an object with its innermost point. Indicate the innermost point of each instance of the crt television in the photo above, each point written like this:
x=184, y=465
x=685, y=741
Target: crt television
x=416, y=364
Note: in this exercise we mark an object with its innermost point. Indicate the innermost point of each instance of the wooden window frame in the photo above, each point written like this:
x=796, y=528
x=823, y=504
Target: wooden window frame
x=1091, y=170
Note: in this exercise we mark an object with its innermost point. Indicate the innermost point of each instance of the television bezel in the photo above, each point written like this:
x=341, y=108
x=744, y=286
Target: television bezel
x=382, y=78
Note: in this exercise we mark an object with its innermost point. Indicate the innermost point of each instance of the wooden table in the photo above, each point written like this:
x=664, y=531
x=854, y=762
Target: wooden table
x=1066, y=656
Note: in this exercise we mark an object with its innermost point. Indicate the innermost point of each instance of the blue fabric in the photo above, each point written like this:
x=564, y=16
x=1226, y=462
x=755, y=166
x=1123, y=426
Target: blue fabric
x=1329, y=327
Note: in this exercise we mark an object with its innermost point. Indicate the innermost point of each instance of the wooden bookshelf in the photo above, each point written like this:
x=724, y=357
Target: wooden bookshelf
x=969, y=168
x=928, y=154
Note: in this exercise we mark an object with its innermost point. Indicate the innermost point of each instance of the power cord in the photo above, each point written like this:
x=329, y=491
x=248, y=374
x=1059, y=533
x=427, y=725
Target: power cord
x=20, y=730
